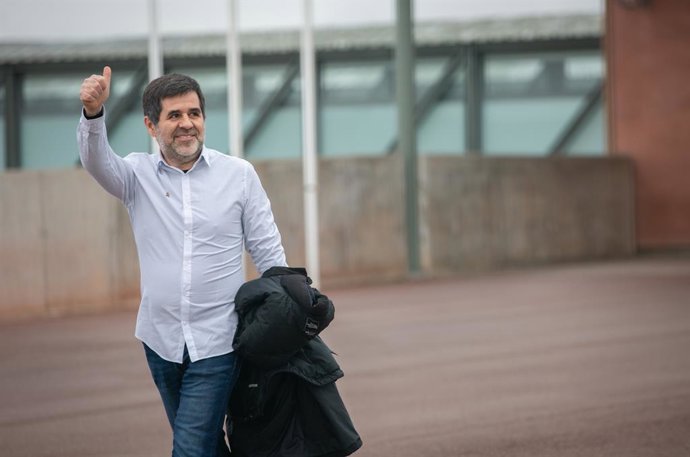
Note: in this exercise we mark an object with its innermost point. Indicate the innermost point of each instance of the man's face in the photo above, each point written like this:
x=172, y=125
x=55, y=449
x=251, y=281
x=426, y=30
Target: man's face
x=180, y=130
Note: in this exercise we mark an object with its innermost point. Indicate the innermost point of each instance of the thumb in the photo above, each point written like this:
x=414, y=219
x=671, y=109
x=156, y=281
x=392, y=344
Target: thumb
x=107, y=73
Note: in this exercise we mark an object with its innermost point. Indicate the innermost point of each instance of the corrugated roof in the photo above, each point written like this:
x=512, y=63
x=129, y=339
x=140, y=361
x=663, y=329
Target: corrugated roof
x=275, y=42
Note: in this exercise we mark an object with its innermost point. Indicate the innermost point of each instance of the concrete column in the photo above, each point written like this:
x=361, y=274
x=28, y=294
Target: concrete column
x=407, y=134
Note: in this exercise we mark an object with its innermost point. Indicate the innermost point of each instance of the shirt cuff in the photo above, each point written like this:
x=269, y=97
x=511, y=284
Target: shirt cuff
x=100, y=114
x=94, y=124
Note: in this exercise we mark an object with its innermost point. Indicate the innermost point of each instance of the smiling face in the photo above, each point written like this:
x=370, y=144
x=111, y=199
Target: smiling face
x=180, y=130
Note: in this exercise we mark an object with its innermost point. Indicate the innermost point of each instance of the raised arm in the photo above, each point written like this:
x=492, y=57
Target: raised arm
x=97, y=157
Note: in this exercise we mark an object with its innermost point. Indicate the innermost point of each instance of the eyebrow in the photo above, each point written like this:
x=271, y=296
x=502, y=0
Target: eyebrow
x=177, y=111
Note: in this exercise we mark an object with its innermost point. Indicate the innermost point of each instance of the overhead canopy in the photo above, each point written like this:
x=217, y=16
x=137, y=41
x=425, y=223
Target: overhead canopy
x=288, y=41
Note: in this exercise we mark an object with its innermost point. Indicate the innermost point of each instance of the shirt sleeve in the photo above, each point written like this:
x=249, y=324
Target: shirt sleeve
x=111, y=171
x=261, y=234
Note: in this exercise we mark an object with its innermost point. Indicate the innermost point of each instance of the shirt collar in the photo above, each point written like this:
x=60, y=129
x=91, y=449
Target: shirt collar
x=204, y=157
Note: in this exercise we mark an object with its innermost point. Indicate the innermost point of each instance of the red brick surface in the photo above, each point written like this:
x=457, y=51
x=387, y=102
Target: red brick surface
x=648, y=59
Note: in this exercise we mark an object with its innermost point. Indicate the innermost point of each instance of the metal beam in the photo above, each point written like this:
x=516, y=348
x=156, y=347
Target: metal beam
x=271, y=102
x=474, y=92
x=433, y=95
x=13, y=103
x=577, y=121
x=438, y=90
x=120, y=108
x=550, y=78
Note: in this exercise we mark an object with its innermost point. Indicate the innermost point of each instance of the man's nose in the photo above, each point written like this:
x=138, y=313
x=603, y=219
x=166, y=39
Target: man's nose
x=186, y=122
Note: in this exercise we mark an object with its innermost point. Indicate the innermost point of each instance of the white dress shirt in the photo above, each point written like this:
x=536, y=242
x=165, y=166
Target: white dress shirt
x=189, y=230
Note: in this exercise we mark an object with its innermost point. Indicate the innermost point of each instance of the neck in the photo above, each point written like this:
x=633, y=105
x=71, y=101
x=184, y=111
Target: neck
x=181, y=163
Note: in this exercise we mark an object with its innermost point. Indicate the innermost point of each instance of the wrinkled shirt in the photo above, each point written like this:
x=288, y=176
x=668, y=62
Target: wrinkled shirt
x=190, y=229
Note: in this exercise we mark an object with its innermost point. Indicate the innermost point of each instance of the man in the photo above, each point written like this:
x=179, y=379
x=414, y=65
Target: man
x=192, y=209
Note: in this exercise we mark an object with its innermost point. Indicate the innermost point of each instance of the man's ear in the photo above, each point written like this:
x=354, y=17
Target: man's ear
x=150, y=126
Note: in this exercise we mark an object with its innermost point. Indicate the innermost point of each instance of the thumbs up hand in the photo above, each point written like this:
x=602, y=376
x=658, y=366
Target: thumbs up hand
x=95, y=90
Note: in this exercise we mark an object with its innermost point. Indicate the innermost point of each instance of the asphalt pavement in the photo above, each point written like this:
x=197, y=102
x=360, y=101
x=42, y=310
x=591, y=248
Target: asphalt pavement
x=573, y=360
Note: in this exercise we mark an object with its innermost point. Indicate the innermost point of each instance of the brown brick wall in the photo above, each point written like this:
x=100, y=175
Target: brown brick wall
x=648, y=60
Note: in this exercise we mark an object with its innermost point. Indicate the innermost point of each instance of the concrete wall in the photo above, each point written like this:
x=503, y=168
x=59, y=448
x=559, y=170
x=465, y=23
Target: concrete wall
x=482, y=213
x=360, y=211
x=66, y=245
x=648, y=98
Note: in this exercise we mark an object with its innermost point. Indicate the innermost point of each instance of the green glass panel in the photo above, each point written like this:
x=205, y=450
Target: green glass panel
x=51, y=110
x=3, y=153
x=531, y=101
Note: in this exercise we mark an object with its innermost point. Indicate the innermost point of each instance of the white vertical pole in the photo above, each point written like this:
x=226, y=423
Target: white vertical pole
x=233, y=66
x=233, y=63
x=309, y=157
x=155, y=56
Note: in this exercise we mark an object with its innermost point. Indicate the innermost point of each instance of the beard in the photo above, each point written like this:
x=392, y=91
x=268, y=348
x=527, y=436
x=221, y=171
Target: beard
x=182, y=153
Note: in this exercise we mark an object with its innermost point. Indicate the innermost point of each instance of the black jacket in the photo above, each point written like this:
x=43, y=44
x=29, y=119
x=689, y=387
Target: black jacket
x=285, y=402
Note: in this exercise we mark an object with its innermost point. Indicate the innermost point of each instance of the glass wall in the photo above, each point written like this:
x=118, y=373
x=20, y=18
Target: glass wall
x=532, y=103
x=273, y=114
x=3, y=153
x=50, y=111
x=357, y=111
x=441, y=128
x=532, y=100
x=50, y=114
x=129, y=134
x=126, y=131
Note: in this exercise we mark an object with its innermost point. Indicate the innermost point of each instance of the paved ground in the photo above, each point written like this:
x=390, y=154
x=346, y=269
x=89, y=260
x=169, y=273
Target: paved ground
x=585, y=360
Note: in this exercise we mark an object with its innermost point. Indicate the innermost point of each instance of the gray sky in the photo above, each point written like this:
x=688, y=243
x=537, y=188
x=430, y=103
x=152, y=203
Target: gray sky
x=42, y=20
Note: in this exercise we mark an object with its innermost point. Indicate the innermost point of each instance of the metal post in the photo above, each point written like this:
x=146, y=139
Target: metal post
x=473, y=100
x=13, y=117
x=155, y=56
x=309, y=157
x=233, y=63
x=407, y=135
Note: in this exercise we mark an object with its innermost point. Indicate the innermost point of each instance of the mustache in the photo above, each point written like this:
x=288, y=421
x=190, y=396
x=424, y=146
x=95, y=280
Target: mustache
x=185, y=132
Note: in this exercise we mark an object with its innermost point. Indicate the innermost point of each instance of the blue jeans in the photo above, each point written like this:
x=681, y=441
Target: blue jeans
x=195, y=396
